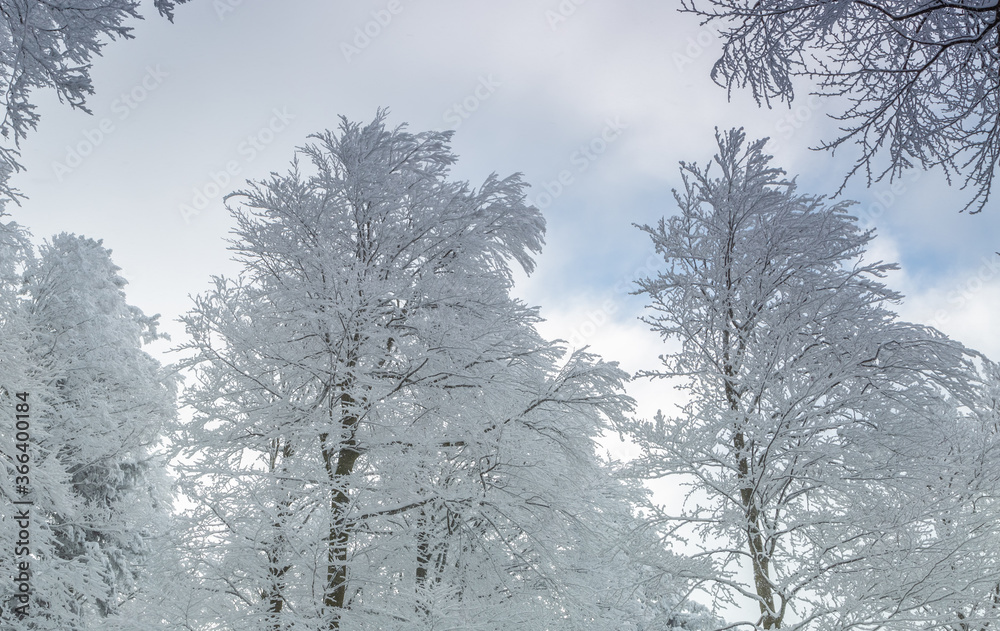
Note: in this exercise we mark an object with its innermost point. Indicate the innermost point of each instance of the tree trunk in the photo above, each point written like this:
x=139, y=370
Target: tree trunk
x=274, y=595
x=760, y=559
x=339, y=463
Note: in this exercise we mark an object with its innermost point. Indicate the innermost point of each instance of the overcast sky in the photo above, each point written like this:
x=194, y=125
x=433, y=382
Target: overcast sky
x=594, y=101
x=606, y=96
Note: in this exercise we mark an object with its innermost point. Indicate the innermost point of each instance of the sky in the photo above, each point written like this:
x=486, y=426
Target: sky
x=594, y=101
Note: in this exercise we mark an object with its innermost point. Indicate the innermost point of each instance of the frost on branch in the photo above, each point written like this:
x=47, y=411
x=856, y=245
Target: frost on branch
x=381, y=439
x=50, y=45
x=920, y=81
x=803, y=387
x=97, y=405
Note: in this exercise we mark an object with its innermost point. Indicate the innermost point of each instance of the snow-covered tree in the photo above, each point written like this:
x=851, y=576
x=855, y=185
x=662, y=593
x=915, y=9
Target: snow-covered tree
x=920, y=78
x=99, y=405
x=15, y=255
x=50, y=45
x=794, y=366
x=381, y=440
x=926, y=482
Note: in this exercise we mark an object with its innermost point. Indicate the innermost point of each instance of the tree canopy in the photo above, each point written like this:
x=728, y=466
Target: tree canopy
x=381, y=439
x=801, y=384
